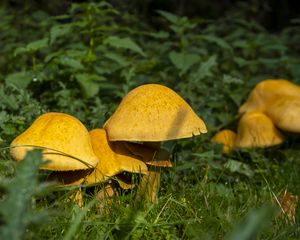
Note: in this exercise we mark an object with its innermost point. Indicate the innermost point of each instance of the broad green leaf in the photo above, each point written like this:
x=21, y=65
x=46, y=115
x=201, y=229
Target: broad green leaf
x=71, y=62
x=169, y=16
x=59, y=30
x=89, y=83
x=217, y=40
x=125, y=43
x=208, y=155
x=239, y=167
x=183, y=61
x=205, y=69
x=117, y=58
x=36, y=45
x=33, y=46
x=19, y=79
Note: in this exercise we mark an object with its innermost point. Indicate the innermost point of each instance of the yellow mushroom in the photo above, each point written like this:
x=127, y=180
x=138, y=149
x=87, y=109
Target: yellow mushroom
x=265, y=92
x=153, y=112
x=225, y=137
x=64, y=139
x=255, y=129
x=285, y=113
x=113, y=158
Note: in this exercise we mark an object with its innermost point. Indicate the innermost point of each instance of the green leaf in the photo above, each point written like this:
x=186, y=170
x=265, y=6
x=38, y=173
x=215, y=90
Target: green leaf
x=239, y=167
x=124, y=43
x=89, y=83
x=117, y=58
x=169, y=16
x=217, y=40
x=227, y=79
x=205, y=69
x=183, y=61
x=71, y=62
x=32, y=47
x=59, y=30
x=15, y=207
x=19, y=79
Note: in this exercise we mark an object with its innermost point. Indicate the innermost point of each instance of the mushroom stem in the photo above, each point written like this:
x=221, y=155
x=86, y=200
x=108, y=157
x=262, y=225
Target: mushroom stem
x=77, y=197
x=148, y=187
x=105, y=198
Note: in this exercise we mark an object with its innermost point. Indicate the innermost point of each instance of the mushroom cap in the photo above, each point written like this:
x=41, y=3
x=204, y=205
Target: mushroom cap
x=153, y=112
x=226, y=137
x=265, y=92
x=64, y=139
x=255, y=129
x=285, y=113
x=113, y=158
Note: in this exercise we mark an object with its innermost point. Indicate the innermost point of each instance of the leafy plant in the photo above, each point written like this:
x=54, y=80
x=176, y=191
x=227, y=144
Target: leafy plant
x=18, y=201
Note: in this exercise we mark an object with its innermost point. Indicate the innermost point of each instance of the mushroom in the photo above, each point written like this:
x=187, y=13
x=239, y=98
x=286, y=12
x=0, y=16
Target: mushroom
x=64, y=139
x=285, y=113
x=255, y=129
x=114, y=158
x=153, y=113
x=265, y=92
x=225, y=137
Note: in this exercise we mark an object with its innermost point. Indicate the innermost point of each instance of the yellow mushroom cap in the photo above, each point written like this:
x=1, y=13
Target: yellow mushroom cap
x=113, y=158
x=285, y=113
x=153, y=112
x=255, y=129
x=227, y=138
x=65, y=139
x=265, y=92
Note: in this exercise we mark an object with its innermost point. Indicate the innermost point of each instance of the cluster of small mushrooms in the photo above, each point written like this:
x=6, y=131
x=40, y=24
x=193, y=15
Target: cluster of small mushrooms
x=273, y=107
x=130, y=141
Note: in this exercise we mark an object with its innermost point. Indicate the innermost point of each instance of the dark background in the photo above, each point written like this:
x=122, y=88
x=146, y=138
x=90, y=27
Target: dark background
x=272, y=14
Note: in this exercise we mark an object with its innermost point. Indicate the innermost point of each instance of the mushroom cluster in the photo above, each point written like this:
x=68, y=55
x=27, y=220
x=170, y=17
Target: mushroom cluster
x=273, y=107
x=130, y=141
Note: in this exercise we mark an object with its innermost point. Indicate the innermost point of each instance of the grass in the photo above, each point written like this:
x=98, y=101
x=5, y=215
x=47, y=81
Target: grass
x=190, y=206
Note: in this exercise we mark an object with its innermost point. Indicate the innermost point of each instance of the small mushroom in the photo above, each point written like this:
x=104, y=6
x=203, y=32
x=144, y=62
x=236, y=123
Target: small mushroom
x=227, y=138
x=285, y=113
x=64, y=139
x=255, y=129
x=113, y=158
x=153, y=113
x=265, y=92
